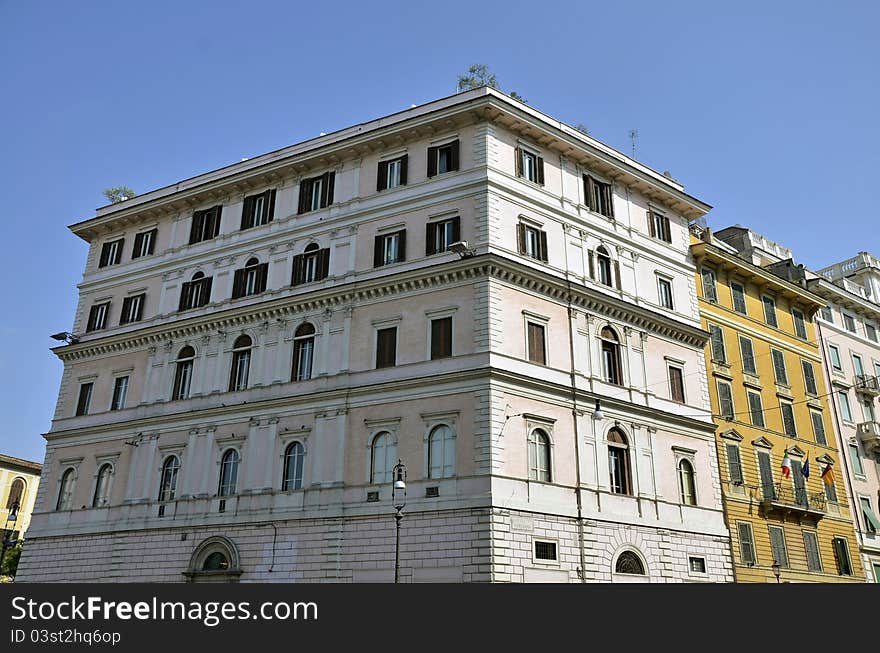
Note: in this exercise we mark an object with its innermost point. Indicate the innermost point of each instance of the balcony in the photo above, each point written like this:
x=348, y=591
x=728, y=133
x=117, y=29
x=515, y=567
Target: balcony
x=869, y=434
x=787, y=500
x=867, y=385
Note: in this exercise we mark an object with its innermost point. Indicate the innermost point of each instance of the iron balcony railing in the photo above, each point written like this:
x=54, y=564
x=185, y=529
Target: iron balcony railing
x=779, y=495
x=867, y=384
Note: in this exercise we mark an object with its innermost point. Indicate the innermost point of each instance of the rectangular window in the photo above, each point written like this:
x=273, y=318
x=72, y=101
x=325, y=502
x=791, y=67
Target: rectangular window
x=697, y=565
x=871, y=332
x=710, y=292
x=788, y=424
x=811, y=547
x=746, y=543
x=316, y=192
x=440, y=235
x=111, y=253
x=779, y=370
x=770, y=310
x=442, y=159
x=545, y=550
x=537, y=351
x=765, y=467
x=849, y=323
x=845, y=411
x=195, y=293
x=85, y=399
x=841, y=555
x=734, y=464
x=747, y=350
x=725, y=400
x=531, y=241
x=800, y=326
x=120, y=391
x=132, y=308
x=871, y=523
x=250, y=280
x=777, y=546
x=868, y=410
x=599, y=196
x=834, y=355
x=658, y=225
x=98, y=316
x=386, y=347
x=664, y=289
x=676, y=384
x=756, y=410
x=529, y=166
x=441, y=338
x=818, y=427
x=716, y=338
x=144, y=243
x=312, y=265
x=389, y=248
x=827, y=314
x=809, y=378
x=258, y=209
x=858, y=468
x=858, y=367
x=738, y=291
x=392, y=173
x=205, y=225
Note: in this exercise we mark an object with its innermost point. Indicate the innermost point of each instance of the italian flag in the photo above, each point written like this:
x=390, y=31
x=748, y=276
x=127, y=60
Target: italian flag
x=786, y=465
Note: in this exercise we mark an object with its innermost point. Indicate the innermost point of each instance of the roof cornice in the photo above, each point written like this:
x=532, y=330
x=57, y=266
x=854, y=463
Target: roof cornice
x=828, y=290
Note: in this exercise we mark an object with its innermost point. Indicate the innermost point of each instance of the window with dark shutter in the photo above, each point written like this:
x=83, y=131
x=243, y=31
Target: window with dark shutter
x=205, y=224
x=811, y=547
x=598, y=196
x=777, y=546
x=195, y=293
x=132, y=309
x=800, y=326
x=676, y=384
x=841, y=555
x=768, y=489
x=769, y=310
x=779, y=370
x=529, y=166
x=386, y=347
x=734, y=464
x=98, y=316
x=144, y=243
x=709, y=291
x=716, y=338
x=441, y=338
x=440, y=235
x=788, y=423
x=85, y=398
x=391, y=173
x=818, y=427
x=536, y=344
x=258, y=209
x=725, y=400
x=659, y=226
x=442, y=159
x=748, y=355
x=389, y=248
x=738, y=292
x=756, y=410
x=316, y=192
x=746, y=543
x=111, y=253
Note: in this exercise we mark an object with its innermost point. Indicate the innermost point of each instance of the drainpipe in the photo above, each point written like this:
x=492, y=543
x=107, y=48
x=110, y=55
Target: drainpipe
x=574, y=417
x=842, y=450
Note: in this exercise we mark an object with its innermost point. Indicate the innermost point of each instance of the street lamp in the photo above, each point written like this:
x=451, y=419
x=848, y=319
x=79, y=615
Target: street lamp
x=8, y=531
x=776, y=570
x=398, y=499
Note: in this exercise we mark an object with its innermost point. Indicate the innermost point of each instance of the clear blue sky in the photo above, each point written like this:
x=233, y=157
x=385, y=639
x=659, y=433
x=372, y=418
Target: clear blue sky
x=766, y=110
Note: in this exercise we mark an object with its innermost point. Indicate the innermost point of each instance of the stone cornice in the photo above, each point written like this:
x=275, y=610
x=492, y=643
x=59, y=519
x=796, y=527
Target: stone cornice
x=339, y=296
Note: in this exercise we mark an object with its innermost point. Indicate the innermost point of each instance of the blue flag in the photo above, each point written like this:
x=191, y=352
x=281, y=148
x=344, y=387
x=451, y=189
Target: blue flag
x=805, y=470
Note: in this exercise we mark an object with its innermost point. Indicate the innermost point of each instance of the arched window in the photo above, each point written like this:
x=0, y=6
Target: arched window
x=618, y=462
x=539, y=456
x=228, y=473
x=65, y=490
x=183, y=373
x=241, y=363
x=310, y=263
x=611, y=371
x=251, y=276
x=603, y=263
x=383, y=456
x=688, y=487
x=215, y=561
x=102, y=486
x=629, y=563
x=441, y=452
x=168, y=478
x=16, y=495
x=293, y=467
x=303, y=352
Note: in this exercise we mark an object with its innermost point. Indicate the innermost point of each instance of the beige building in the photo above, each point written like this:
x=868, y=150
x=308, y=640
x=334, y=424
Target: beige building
x=456, y=286
x=19, y=480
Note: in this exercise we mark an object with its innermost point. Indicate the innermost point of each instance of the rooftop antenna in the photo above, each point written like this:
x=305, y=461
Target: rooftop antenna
x=633, y=135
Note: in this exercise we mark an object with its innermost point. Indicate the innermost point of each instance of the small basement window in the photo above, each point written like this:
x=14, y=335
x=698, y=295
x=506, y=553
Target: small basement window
x=545, y=550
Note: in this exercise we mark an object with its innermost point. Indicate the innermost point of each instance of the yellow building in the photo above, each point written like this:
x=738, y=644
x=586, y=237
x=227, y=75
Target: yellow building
x=769, y=399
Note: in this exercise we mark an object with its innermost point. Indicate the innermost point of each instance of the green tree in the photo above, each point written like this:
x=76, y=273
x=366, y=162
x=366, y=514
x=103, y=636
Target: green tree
x=477, y=75
x=118, y=194
x=581, y=127
x=517, y=96
x=10, y=563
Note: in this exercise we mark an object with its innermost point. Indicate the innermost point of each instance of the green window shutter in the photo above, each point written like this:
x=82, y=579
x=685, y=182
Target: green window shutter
x=777, y=545
x=716, y=336
x=818, y=427
x=809, y=378
x=779, y=367
x=811, y=546
x=734, y=465
x=767, y=487
x=755, y=409
x=725, y=400
x=746, y=544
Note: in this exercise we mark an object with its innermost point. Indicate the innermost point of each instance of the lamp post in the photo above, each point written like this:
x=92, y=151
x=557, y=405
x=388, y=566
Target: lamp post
x=8, y=531
x=775, y=567
x=398, y=499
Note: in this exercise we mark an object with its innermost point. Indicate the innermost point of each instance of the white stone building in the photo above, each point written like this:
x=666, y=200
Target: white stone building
x=255, y=347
